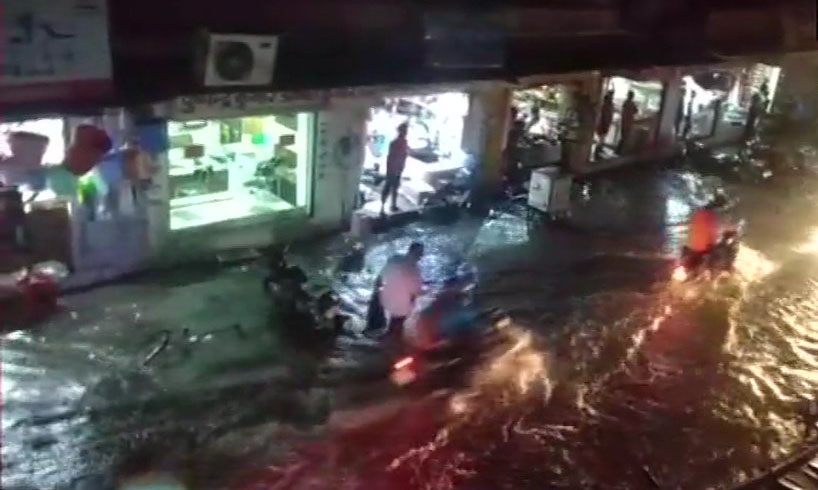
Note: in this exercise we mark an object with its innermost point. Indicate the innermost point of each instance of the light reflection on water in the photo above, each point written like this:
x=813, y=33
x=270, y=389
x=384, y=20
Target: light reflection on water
x=615, y=381
x=709, y=385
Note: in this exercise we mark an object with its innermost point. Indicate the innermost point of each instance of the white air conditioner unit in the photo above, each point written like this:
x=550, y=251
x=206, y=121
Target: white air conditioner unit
x=239, y=59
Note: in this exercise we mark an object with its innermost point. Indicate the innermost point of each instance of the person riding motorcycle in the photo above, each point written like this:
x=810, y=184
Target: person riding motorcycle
x=449, y=318
x=396, y=289
x=706, y=230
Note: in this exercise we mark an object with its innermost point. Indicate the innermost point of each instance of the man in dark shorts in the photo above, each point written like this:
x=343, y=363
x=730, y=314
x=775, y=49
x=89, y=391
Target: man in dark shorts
x=395, y=163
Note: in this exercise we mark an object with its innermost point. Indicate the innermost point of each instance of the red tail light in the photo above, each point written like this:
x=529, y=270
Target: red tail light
x=403, y=363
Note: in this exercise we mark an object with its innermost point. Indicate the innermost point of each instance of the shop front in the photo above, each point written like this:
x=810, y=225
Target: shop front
x=546, y=116
x=716, y=101
x=87, y=210
x=707, y=97
x=244, y=168
x=435, y=123
x=248, y=170
x=186, y=180
x=29, y=149
x=87, y=184
x=629, y=117
x=236, y=166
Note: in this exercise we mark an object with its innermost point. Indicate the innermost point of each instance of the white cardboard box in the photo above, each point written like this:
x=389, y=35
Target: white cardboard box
x=549, y=191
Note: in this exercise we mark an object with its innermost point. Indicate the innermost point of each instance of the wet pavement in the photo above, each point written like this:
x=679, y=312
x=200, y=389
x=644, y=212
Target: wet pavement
x=613, y=382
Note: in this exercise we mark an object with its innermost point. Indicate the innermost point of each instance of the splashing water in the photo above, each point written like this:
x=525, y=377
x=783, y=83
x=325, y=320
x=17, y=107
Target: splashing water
x=514, y=374
x=752, y=266
x=809, y=246
x=518, y=370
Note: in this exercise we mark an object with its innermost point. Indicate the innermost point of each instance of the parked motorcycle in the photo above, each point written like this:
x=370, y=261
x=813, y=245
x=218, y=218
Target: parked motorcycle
x=316, y=313
x=453, y=192
x=775, y=159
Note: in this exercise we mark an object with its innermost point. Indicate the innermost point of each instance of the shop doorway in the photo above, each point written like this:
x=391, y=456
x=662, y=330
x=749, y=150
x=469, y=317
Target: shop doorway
x=223, y=170
x=436, y=164
x=706, y=96
x=545, y=122
x=629, y=117
x=717, y=102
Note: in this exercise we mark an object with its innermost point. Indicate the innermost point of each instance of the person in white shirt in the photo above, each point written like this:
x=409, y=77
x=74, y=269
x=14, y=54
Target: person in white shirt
x=397, y=289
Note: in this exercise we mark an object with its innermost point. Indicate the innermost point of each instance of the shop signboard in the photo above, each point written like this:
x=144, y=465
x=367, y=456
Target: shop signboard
x=54, y=49
x=396, y=90
x=238, y=104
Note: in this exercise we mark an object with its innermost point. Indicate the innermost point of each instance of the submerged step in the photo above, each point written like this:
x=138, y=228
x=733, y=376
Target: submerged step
x=798, y=480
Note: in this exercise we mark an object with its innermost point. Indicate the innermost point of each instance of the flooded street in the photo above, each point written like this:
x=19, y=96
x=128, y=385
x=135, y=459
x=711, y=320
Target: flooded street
x=610, y=380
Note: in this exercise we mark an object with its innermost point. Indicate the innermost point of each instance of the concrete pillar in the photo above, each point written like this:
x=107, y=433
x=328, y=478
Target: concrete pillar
x=588, y=104
x=339, y=158
x=672, y=96
x=798, y=77
x=472, y=141
x=484, y=134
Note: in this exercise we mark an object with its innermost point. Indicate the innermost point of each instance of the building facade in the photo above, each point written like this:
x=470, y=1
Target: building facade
x=235, y=169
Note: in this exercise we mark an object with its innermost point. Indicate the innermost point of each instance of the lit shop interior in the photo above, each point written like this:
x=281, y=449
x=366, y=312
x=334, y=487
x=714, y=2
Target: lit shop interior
x=716, y=102
x=19, y=170
x=35, y=168
x=230, y=169
x=610, y=142
x=436, y=160
x=52, y=128
x=27, y=149
x=707, y=97
x=546, y=121
x=70, y=218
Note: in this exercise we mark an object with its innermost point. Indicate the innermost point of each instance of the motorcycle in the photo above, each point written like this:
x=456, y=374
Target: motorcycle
x=403, y=375
x=285, y=285
x=444, y=362
x=720, y=259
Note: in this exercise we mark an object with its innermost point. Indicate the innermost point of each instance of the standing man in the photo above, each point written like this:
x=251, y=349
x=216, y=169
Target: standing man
x=764, y=90
x=605, y=121
x=395, y=163
x=718, y=112
x=689, y=115
x=680, y=112
x=516, y=131
x=629, y=112
x=753, y=114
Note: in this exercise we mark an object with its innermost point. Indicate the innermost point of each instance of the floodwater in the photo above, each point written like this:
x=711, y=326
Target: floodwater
x=610, y=380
